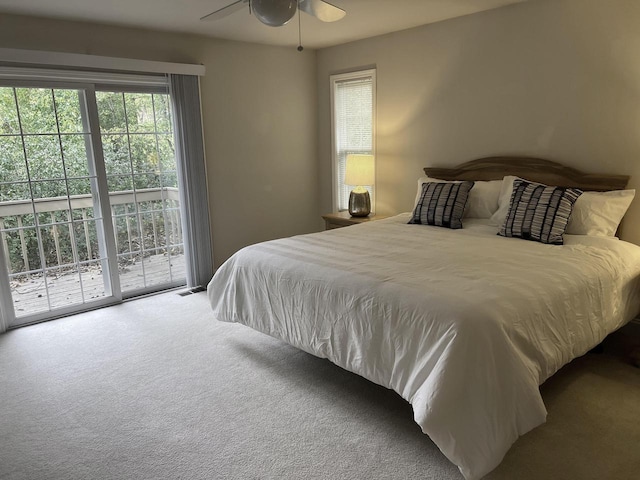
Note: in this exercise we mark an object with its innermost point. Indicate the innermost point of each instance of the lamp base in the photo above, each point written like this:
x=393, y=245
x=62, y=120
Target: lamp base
x=359, y=204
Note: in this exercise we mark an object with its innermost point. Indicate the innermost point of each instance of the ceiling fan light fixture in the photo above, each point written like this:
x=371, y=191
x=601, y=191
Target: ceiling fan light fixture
x=274, y=13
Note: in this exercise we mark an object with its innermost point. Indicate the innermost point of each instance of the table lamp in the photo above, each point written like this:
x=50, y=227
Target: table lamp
x=359, y=173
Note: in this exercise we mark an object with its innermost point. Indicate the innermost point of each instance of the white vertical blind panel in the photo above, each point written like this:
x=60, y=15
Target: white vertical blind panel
x=185, y=94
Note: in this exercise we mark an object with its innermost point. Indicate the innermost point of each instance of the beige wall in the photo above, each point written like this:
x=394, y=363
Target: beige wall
x=557, y=79
x=259, y=119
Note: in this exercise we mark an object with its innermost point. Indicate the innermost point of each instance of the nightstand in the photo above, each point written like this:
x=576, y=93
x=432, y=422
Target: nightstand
x=343, y=219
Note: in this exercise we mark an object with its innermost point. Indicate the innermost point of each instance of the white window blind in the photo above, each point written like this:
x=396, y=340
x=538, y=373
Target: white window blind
x=353, y=108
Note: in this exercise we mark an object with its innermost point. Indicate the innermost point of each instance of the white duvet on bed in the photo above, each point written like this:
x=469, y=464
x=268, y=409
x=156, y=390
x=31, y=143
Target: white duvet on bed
x=463, y=324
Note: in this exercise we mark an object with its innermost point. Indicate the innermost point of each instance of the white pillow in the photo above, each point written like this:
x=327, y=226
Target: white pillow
x=599, y=213
x=504, y=200
x=483, y=197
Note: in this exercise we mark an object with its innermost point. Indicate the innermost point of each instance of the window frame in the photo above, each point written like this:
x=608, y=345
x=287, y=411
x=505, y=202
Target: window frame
x=333, y=81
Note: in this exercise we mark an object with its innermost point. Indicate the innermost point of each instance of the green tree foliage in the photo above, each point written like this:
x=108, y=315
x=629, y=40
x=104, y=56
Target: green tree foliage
x=43, y=138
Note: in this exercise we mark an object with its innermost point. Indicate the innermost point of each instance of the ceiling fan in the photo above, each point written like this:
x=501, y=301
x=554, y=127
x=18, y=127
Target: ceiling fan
x=277, y=13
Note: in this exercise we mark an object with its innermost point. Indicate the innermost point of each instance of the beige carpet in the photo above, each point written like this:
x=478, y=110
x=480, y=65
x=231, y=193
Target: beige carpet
x=155, y=389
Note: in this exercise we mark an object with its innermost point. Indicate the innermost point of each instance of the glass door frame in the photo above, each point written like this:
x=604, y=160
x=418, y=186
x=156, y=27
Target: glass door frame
x=100, y=194
x=139, y=291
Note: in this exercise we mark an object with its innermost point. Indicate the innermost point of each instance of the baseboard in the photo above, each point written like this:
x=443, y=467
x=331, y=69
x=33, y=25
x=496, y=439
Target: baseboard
x=193, y=290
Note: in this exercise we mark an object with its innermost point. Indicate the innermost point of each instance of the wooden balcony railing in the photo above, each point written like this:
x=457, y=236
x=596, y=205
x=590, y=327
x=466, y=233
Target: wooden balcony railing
x=161, y=232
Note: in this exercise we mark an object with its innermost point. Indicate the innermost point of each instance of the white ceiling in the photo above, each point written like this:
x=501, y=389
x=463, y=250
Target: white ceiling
x=365, y=18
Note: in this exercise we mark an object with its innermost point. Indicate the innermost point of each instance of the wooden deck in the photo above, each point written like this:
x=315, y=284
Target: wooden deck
x=66, y=289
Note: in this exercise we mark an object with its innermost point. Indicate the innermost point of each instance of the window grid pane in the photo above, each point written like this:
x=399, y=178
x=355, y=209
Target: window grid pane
x=137, y=136
x=46, y=184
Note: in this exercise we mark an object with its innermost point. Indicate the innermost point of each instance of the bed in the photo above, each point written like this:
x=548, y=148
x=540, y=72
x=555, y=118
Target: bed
x=463, y=324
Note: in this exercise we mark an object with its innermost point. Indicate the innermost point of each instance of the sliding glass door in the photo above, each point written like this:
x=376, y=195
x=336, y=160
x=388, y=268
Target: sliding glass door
x=51, y=223
x=71, y=157
x=139, y=155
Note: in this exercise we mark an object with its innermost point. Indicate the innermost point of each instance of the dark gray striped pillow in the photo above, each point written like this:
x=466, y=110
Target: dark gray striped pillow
x=442, y=204
x=538, y=212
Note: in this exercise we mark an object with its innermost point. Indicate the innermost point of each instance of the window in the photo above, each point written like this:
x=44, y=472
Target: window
x=57, y=248
x=103, y=192
x=353, y=126
x=94, y=183
x=139, y=156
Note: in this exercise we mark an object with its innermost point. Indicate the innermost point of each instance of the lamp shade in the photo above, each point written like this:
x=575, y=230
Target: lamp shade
x=359, y=170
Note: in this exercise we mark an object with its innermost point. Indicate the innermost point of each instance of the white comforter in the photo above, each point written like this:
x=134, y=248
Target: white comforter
x=463, y=324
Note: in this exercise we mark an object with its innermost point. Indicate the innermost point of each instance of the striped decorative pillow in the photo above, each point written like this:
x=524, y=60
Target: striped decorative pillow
x=442, y=204
x=538, y=212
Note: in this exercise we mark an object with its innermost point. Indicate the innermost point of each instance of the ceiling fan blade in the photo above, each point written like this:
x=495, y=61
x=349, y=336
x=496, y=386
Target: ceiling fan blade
x=322, y=10
x=225, y=11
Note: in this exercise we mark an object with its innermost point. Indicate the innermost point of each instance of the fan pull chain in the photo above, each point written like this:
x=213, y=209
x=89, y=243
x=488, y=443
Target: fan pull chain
x=300, y=47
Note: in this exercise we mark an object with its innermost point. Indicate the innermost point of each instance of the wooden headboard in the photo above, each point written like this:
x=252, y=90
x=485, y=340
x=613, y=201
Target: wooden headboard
x=533, y=169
